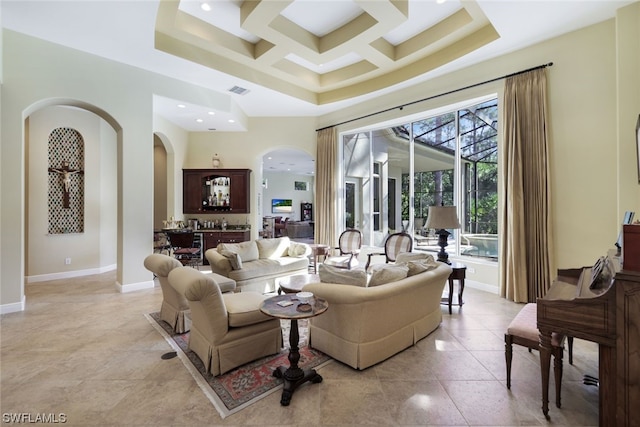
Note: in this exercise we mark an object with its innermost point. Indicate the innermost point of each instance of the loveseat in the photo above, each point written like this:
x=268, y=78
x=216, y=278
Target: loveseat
x=366, y=324
x=255, y=265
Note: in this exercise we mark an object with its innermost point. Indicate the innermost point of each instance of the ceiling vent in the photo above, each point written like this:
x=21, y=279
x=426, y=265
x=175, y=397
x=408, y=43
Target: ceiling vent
x=239, y=90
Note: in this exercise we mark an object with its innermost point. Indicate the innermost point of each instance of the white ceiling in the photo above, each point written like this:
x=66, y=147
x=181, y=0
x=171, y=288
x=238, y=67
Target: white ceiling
x=125, y=31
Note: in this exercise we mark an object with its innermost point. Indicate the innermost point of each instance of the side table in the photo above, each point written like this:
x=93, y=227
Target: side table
x=317, y=252
x=292, y=375
x=459, y=272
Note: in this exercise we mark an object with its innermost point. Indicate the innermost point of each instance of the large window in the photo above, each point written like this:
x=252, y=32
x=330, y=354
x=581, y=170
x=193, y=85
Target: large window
x=444, y=159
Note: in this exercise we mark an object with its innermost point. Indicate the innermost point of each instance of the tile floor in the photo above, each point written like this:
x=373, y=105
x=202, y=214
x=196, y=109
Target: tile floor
x=86, y=351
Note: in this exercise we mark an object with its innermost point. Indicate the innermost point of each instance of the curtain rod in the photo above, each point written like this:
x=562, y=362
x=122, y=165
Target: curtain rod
x=439, y=95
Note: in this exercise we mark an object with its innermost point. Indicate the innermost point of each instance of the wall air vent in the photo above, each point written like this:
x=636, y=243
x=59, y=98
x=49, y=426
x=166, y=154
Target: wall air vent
x=239, y=90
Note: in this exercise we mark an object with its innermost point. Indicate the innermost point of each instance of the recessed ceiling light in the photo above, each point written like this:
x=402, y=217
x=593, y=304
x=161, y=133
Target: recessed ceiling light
x=199, y=120
x=211, y=113
x=182, y=106
x=206, y=7
x=440, y=1
x=231, y=121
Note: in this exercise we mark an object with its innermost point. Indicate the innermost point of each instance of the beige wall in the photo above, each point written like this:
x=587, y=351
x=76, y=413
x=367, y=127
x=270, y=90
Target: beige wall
x=593, y=100
x=46, y=253
x=280, y=185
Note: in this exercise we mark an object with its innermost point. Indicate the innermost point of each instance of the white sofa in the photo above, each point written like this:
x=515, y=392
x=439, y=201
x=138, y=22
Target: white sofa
x=366, y=325
x=255, y=265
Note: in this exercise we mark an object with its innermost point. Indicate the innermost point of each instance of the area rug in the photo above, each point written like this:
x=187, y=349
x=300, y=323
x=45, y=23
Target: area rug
x=239, y=388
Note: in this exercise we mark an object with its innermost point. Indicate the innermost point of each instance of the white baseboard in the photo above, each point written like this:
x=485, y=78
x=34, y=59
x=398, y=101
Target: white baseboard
x=482, y=286
x=13, y=307
x=131, y=287
x=69, y=274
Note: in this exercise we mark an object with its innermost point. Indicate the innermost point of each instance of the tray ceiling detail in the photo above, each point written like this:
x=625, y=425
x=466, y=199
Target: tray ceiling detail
x=322, y=52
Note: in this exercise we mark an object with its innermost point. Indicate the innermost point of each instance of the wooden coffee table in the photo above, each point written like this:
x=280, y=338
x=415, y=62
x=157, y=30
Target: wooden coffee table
x=294, y=284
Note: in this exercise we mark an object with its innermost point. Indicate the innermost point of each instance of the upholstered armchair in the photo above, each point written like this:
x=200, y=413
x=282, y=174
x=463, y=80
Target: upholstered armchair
x=395, y=244
x=175, y=308
x=227, y=330
x=349, y=245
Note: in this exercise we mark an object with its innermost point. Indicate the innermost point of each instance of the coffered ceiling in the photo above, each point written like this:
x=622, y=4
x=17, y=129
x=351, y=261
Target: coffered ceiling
x=323, y=52
x=267, y=58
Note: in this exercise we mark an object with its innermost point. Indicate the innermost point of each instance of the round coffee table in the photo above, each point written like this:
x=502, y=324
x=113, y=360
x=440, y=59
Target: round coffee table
x=295, y=283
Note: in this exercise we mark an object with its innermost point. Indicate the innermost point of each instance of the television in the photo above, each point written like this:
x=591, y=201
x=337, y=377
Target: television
x=281, y=205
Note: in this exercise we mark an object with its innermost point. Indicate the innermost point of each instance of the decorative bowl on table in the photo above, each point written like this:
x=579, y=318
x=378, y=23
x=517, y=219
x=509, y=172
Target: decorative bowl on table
x=305, y=297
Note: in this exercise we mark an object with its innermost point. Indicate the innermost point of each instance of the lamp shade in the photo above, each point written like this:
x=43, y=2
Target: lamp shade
x=442, y=217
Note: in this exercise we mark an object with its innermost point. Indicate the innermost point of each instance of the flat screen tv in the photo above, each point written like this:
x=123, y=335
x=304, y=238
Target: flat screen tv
x=281, y=205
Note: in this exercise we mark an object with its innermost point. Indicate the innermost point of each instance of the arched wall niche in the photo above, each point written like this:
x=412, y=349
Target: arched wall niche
x=51, y=256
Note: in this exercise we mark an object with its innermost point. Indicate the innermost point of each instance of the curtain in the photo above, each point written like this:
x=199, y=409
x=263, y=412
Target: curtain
x=527, y=251
x=326, y=184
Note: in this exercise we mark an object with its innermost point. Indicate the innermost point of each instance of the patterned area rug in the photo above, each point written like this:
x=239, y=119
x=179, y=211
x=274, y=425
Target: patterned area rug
x=241, y=387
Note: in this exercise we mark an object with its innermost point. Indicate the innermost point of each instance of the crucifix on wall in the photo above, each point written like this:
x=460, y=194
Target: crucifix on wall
x=65, y=172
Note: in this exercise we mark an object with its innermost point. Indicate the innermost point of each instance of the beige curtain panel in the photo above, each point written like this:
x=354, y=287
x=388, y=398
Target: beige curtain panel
x=527, y=250
x=326, y=184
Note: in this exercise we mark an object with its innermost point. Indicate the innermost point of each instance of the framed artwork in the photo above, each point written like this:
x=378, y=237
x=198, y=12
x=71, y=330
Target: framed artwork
x=300, y=185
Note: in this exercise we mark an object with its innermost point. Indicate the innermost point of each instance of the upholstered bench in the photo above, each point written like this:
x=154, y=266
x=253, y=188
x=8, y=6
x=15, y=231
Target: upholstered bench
x=523, y=330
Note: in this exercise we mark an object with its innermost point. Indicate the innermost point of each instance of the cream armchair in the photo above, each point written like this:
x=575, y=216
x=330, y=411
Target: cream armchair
x=175, y=308
x=227, y=330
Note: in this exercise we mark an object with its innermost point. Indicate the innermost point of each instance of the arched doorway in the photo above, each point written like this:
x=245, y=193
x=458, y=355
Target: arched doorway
x=288, y=192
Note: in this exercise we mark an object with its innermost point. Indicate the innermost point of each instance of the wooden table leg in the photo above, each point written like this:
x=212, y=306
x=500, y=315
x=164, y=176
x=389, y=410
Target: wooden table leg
x=545, y=365
x=294, y=376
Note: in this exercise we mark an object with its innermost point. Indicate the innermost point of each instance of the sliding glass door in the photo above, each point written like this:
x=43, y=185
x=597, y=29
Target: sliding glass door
x=393, y=174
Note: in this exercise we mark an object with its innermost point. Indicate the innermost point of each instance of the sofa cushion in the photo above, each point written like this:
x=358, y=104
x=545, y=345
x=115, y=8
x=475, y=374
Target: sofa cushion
x=244, y=308
x=268, y=268
x=273, y=248
x=386, y=273
x=417, y=267
x=234, y=259
x=299, y=249
x=248, y=251
x=405, y=257
x=341, y=276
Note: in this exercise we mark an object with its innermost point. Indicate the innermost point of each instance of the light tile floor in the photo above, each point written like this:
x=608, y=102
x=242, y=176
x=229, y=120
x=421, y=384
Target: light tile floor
x=86, y=351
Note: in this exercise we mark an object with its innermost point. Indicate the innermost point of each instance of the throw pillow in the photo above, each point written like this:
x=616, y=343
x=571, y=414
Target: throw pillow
x=299, y=250
x=247, y=251
x=234, y=259
x=387, y=274
x=405, y=257
x=417, y=267
x=341, y=276
x=273, y=248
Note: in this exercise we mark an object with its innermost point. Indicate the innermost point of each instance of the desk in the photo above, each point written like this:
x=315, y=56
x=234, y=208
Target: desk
x=318, y=251
x=459, y=273
x=293, y=375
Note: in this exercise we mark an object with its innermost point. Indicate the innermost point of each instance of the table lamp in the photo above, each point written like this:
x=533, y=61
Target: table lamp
x=442, y=218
